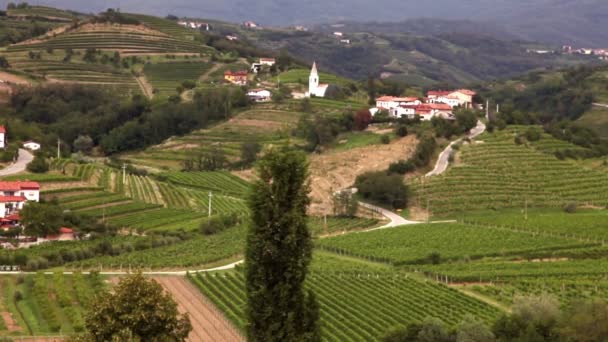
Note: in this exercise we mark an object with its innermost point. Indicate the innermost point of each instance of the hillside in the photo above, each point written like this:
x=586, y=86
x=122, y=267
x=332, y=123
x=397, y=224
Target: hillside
x=571, y=22
x=410, y=53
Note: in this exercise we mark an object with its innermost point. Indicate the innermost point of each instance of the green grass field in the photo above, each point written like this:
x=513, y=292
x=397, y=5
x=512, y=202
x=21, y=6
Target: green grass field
x=166, y=77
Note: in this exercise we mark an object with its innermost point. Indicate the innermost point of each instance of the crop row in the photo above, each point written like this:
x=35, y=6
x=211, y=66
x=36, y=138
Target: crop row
x=356, y=307
x=221, y=181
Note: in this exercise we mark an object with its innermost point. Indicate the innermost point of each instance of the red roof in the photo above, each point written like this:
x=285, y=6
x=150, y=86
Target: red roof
x=13, y=217
x=235, y=73
x=466, y=92
x=19, y=185
x=66, y=230
x=440, y=106
x=8, y=199
x=2, y=129
x=385, y=98
x=438, y=93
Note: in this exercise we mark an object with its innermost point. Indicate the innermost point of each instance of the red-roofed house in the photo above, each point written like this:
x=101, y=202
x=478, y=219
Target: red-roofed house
x=65, y=234
x=268, y=61
x=465, y=97
x=2, y=136
x=434, y=94
x=13, y=196
x=236, y=77
x=392, y=102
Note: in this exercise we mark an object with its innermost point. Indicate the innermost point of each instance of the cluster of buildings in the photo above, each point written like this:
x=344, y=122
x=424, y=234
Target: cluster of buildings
x=437, y=103
x=195, y=25
x=600, y=53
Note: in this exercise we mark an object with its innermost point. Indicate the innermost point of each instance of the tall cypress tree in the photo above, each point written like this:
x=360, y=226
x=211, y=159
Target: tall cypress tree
x=279, y=250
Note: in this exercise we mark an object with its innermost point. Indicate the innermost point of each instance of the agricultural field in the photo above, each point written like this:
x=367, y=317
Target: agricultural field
x=45, y=305
x=497, y=173
x=265, y=124
x=420, y=244
x=220, y=182
x=166, y=77
x=300, y=76
x=43, y=12
x=356, y=307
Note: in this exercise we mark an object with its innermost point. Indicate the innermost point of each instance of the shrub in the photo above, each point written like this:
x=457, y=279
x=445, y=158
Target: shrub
x=570, y=208
x=402, y=167
x=385, y=139
x=518, y=140
x=17, y=296
x=434, y=258
x=533, y=134
x=401, y=130
x=38, y=165
x=383, y=188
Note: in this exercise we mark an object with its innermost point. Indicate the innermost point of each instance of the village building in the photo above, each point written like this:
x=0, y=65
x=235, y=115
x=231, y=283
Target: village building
x=14, y=195
x=31, y=145
x=236, y=77
x=345, y=41
x=64, y=234
x=250, y=24
x=338, y=34
x=194, y=25
x=231, y=37
x=314, y=87
x=392, y=102
x=459, y=98
x=3, y=137
x=268, y=61
x=259, y=95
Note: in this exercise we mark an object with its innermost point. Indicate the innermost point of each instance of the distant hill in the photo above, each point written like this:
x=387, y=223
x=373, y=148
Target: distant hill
x=576, y=22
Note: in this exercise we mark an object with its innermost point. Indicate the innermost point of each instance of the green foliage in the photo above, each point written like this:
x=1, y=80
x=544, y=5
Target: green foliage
x=41, y=219
x=140, y=307
x=345, y=204
x=278, y=252
x=249, y=152
x=39, y=164
x=4, y=63
x=402, y=167
x=383, y=188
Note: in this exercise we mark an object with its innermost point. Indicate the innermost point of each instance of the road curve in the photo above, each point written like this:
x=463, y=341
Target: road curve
x=444, y=157
x=601, y=105
x=396, y=219
x=25, y=157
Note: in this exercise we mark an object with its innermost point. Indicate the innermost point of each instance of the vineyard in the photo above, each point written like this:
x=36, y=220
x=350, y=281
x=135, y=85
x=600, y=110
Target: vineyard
x=356, y=307
x=264, y=124
x=501, y=174
x=46, y=304
x=43, y=12
x=166, y=77
x=426, y=243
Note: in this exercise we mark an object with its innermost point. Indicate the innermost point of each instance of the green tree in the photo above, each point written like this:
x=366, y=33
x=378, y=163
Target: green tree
x=4, y=63
x=39, y=164
x=474, y=330
x=137, y=309
x=84, y=144
x=586, y=321
x=249, y=152
x=41, y=219
x=278, y=252
x=383, y=188
x=345, y=204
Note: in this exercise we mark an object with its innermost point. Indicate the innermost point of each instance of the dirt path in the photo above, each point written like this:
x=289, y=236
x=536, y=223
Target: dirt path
x=145, y=86
x=206, y=75
x=484, y=299
x=10, y=323
x=334, y=171
x=25, y=157
x=6, y=77
x=208, y=323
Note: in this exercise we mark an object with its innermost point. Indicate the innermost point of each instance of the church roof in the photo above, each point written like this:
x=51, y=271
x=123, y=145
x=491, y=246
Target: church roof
x=314, y=68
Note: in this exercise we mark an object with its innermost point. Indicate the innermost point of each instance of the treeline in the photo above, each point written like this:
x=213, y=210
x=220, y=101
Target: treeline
x=534, y=318
x=114, y=123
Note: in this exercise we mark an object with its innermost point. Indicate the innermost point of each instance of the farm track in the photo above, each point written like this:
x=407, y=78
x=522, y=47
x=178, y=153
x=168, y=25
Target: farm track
x=145, y=86
x=208, y=322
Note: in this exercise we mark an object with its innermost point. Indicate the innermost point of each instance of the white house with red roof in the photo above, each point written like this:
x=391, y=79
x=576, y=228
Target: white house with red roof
x=13, y=196
x=314, y=87
x=31, y=145
x=392, y=102
x=457, y=98
x=2, y=137
x=259, y=95
x=268, y=61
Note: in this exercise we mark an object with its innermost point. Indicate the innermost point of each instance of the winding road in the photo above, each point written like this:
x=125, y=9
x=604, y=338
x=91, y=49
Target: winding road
x=25, y=157
x=444, y=158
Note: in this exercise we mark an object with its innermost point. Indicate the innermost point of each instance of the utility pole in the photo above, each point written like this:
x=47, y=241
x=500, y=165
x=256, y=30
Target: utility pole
x=487, y=109
x=58, y=148
x=497, y=108
x=210, y=199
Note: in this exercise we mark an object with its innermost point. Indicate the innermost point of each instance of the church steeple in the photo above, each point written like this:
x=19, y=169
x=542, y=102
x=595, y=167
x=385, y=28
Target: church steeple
x=313, y=80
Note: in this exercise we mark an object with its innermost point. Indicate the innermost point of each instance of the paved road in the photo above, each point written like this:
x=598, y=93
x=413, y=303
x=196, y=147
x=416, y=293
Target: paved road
x=444, y=157
x=396, y=219
x=25, y=157
x=601, y=105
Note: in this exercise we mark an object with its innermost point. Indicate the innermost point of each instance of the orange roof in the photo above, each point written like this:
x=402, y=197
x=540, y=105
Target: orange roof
x=438, y=93
x=466, y=92
x=9, y=199
x=2, y=129
x=235, y=73
x=441, y=106
x=405, y=99
x=386, y=98
x=66, y=230
x=18, y=185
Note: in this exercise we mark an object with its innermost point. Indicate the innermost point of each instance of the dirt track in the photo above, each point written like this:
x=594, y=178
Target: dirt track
x=208, y=323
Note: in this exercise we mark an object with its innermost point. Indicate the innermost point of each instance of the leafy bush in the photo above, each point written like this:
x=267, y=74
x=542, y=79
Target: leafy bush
x=570, y=208
x=533, y=134
x=385, y=139
x=401, y=130
x=402, y=167
x=38, y=165
x=383, y=188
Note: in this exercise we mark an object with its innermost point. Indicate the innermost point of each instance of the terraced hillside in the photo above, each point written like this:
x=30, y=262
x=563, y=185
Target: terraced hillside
x=43, y=12
x=498, y=173
x=166, y=77
x=128, y=39
x=264, y=124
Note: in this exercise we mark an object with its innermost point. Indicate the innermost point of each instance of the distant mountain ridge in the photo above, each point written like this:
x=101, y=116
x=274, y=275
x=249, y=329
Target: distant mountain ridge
x=574, y=22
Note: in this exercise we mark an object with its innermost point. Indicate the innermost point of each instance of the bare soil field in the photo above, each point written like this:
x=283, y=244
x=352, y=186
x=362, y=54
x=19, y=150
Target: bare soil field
x=208, y=322
x=335, y=171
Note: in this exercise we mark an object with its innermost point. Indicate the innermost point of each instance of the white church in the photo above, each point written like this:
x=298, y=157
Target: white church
x=314, y=87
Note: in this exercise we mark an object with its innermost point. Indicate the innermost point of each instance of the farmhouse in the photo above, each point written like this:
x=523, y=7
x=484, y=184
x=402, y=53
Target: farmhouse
x=2, y=137
x=236, y=77
x=231, y=37
x=250, y=24
x=31, y=145
x=268, y=61
x=392, y=102
x=259, y=95
x=195, y=24
x=314, y=88
x=457, y=98
x=13, y=196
